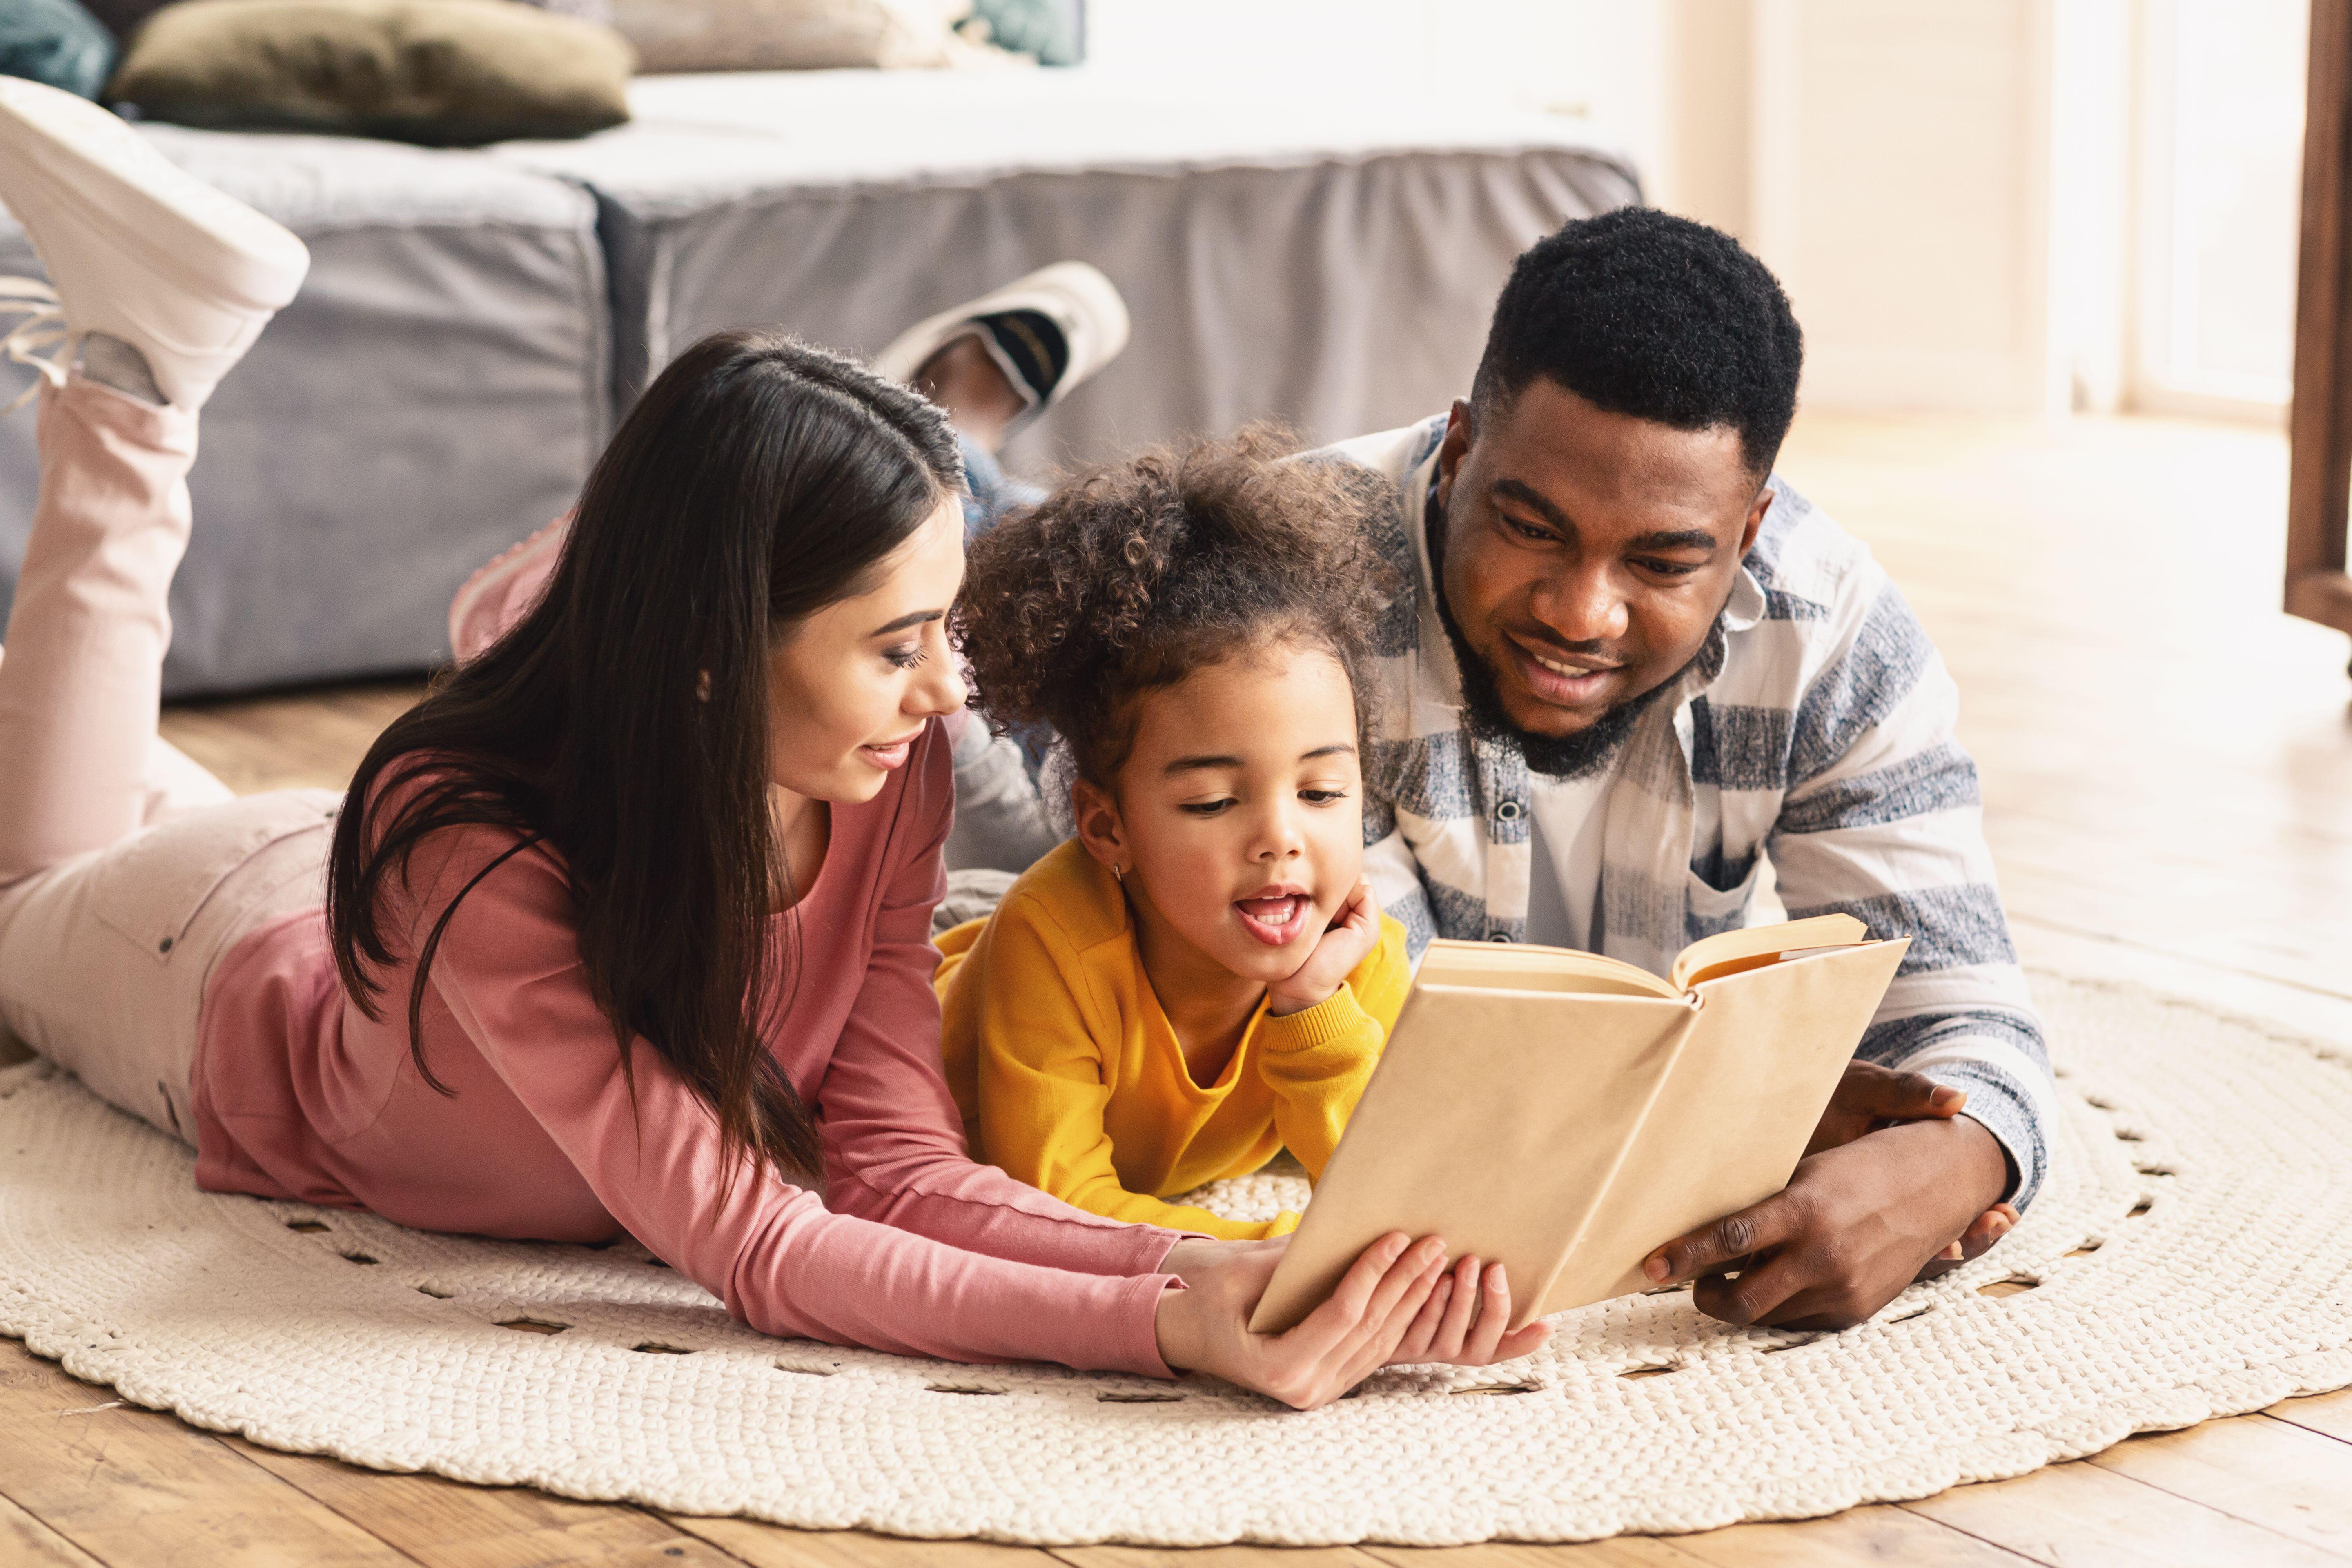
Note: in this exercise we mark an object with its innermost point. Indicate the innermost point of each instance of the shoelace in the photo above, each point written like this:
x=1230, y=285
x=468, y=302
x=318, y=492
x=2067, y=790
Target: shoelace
x=39, y=338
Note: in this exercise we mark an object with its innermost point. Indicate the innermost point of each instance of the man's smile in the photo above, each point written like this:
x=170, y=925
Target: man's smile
x=1562, y=679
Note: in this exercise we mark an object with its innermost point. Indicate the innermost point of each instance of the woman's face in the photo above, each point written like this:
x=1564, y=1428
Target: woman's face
x=853, y=685
x=1238, y=819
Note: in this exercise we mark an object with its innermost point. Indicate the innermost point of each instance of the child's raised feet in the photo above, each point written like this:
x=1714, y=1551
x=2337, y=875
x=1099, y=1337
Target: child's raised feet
x=500, y=594
x=178, y=275
x=1043, y=334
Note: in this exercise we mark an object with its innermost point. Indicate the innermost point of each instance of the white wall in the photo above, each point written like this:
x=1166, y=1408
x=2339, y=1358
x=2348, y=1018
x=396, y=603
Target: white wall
x=1897, y=193
x=2029, y=205
x=1948, y=191
x=1708, y=112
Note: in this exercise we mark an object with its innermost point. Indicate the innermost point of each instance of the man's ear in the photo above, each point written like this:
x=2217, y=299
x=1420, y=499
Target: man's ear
x=1459, y=433
x=1755, y=523
x=1099, y=827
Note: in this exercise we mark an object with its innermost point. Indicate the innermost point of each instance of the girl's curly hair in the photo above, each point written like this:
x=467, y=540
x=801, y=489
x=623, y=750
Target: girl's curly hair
x=1134, y=573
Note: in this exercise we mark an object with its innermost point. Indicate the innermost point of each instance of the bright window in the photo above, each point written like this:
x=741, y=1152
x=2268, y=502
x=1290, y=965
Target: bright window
x=2221, y=150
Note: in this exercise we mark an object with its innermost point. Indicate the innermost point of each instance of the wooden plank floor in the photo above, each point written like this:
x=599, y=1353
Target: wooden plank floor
x=2168, y=769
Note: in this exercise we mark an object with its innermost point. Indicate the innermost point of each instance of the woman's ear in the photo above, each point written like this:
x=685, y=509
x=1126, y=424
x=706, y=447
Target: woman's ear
x=1099, y=827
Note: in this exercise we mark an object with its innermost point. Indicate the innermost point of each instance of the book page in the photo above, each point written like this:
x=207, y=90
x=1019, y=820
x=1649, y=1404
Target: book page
x=1762, y=942
x=1739, y=1105
x=1493, y=1120
x=1529, y=967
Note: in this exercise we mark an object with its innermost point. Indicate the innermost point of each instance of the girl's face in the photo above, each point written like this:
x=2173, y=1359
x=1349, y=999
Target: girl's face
x=853, y=685
x=1238, y=819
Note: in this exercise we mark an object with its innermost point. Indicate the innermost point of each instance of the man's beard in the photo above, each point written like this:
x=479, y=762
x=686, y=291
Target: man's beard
x=1576, y=756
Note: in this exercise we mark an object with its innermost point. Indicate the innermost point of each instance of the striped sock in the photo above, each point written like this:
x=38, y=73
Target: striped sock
x=111, y=363
x=1029, y=347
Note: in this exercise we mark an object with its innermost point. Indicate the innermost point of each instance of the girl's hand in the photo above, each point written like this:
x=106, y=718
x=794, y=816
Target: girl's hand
x=1465, y=1321
x=1206, y=1327
x=1346, y=942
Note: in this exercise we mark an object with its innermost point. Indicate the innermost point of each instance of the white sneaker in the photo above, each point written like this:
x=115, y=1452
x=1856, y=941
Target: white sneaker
x=1048, y=333
x=136, y=248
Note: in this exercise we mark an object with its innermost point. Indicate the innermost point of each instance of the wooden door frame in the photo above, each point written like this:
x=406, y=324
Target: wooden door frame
x=2319, y=484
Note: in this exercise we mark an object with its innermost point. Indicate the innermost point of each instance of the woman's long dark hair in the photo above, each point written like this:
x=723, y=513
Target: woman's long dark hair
x=623, y=724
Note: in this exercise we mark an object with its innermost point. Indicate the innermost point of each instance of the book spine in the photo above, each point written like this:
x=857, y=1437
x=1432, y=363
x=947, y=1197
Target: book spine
x=1529, y=1308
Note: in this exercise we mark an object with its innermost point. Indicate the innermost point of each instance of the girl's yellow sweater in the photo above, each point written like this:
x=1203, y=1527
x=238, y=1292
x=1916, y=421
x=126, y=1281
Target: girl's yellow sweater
x=1070, y=1076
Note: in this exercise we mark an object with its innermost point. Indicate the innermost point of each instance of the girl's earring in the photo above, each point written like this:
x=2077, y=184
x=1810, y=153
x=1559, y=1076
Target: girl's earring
x=1119, y=874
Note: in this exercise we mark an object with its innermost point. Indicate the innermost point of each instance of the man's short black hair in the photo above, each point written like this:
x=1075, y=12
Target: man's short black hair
x=1647, y=314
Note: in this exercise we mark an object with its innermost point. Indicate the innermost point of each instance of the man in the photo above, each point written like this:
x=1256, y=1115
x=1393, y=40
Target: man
x=1629, y=664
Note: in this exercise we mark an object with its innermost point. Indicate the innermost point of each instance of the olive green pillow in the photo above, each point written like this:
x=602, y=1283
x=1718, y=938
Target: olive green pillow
x=443, y=72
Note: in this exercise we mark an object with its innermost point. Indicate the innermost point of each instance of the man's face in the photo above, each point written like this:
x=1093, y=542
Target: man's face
x=1586, y=554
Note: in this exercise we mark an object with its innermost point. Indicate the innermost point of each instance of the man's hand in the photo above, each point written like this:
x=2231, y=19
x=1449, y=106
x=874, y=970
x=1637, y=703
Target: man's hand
x=1346, y=941
x=1870, y=1097
x=1975, y=1242
x=1857, y=1222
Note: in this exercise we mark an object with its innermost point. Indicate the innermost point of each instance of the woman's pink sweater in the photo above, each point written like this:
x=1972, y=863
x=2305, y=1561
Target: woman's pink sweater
x=915, y=1249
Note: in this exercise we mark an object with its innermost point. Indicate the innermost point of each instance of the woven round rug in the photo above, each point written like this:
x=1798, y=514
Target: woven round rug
x=2191, y=1257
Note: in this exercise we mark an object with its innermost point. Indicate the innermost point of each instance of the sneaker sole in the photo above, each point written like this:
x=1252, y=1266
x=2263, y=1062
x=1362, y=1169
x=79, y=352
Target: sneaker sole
x=79, y=157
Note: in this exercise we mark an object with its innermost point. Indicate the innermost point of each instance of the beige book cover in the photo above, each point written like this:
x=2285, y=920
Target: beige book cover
x=1565, y=1114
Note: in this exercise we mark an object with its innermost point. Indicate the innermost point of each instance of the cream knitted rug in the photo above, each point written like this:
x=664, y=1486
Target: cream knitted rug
x=2191, y=1257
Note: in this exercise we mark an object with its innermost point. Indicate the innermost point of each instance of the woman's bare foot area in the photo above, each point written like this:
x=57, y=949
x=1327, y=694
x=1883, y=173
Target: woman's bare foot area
x=963, y=378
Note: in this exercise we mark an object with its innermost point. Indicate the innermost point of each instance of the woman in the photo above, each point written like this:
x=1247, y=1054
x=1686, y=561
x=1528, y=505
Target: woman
x=626, y=926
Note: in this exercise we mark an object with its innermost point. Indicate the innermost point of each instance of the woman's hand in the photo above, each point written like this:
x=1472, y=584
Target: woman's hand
x=1346, y=942
x=1205, y=1326
x=1466, y=1321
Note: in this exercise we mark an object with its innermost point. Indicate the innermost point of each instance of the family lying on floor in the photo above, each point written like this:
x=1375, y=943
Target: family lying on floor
x=627, y=925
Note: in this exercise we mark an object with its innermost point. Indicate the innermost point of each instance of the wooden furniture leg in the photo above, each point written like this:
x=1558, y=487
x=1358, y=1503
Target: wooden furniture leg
x=2319, y=488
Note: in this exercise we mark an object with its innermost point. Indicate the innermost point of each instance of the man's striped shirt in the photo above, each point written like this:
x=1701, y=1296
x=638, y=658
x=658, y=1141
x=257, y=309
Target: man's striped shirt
x=1815, y=729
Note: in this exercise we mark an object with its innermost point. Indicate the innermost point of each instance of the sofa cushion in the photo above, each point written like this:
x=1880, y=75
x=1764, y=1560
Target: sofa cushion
x=445, y=72
x=586, y=10
x=786, y=34
x=56, y=42
x=122, y=16
x=1046, y=31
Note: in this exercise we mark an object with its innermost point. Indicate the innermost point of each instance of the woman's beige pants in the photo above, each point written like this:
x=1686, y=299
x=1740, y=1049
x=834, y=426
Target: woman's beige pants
x=126, y=870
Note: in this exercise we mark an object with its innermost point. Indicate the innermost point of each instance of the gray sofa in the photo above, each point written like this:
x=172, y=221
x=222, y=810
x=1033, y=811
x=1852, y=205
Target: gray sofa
x=474, y=320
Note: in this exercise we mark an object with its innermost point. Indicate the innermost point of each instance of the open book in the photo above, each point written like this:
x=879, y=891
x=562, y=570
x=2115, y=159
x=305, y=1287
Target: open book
x=1567, y=1114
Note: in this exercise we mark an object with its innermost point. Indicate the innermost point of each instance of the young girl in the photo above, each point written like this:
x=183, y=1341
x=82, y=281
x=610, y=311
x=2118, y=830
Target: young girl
x=1202, y=976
